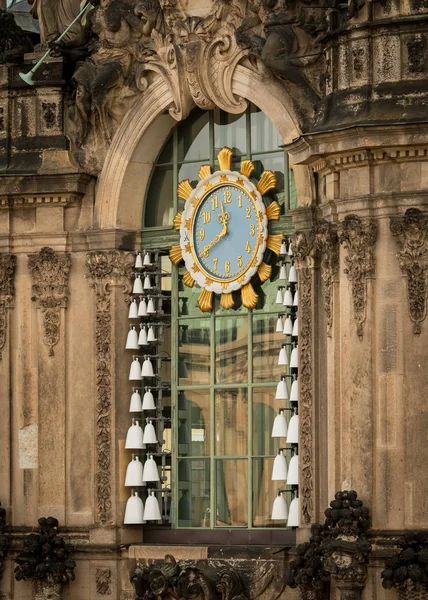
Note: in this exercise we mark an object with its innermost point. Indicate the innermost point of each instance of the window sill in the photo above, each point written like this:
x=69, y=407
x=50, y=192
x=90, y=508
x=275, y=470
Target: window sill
x=220, y=537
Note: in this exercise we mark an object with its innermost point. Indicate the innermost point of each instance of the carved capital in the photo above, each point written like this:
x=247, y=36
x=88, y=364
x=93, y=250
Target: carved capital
x=50, y=272
x=327, y=247
x=411, y=235
x=7, y=292
x=105, y=269
x=359, y=238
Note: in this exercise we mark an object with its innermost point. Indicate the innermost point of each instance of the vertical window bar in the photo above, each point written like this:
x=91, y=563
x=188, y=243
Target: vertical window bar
x=286, y=182
x=174, y=394
x=248, y=127
x=213, y=494
x=211, y=140
x=250, y=421
x=175, y=170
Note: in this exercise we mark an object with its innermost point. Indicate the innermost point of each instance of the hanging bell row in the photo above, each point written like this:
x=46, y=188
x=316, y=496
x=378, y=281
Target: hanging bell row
x=281, y=472
x=138, y=372
x=146, y=337
x=292, y=273
x=288, y=327
x=283, y=250
x=137, y=474
x=137, y=405
x=280, y=429
x=140, y=286
x=136, y=438
x=142, y=308
x=136, y=513
x=281, y=512
x=287, y=298
x=142, y=259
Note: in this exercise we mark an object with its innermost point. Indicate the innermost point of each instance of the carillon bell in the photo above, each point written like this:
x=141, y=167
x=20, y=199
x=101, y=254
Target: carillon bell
x=135, y=370
x=281, y=390
x=288, y=326
x=294, y=359
x=279, y=298
x=149, y=436
x=283, y=249
x=282, y=273
x=151, y=309
x=279, y=509
x=183, y=373
x=185, y=507
x=134, y=473
x=133, y=310
x=293, y=513
x=147, y=283
x=296, y=298
x=134, y=437
x=151, y=335
x=293, y=430
x=295, y=332
x=278, y=328
x=184, y=473
x=142, y=338
x=290, y=250
x=293, y=470
x=138, y=261
x=279, y=428
x=150, y=472
x=132, y=339
x=288, y=298
x=135, y=404
x=279, y=471
x=147, y=368
x=151, y=510
x=283, y=358
x=294, y=393
x=142, y=308
x=138, y=285
x=292, y=275
x=147, y=260
x=134, y=510
x=183, y=432
x=148, y=401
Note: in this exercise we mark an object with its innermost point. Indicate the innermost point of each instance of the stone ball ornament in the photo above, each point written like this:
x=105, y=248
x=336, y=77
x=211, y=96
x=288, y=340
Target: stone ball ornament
x=224, y=233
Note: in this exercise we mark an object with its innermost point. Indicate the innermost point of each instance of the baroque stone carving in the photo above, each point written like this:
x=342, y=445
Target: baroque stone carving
x=50, y=290
x=326, y=245
x=4, y=540
x=54, y=16
x=411, y=232
x=103, y=581
x=14, y=42
x=359, y=238
x=105, y=269
x=7, y=292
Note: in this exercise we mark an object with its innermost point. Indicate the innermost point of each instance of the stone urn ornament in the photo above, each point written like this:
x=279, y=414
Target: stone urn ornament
x=407, y=570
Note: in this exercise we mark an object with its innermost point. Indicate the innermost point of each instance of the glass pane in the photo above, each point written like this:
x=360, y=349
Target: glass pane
x=194, y=137
x=231, y=493
x=265, y=409
x=167, y=152
x=266, y=347
x=194, y=493
x=231, y=424
x=264, y=492
x=194, y=422
x=264, y=135
x=159, y=207
x=230, y=130
x=276, y=163
x=194, y=353
x=231, y=356
x=293, y=191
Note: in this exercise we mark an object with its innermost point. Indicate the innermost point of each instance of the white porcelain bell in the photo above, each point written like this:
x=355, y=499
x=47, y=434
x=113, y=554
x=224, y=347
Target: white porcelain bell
x=279, y=509
x=142, y=308
x=288, y=326
x=132, y=339
x=138, y=285
x=147, y=283
x=150, y=472
x=148, y=401
x=290, y=250
x=294, y=358
x=138, y=261
x=293, y=513
x=151, y=510
x=133, y=310
x=282, y=273
x=142, y=338
x=149, y=436
x=279, y=296
x=294, y=393
x=135, y=404
x=151, y=309
x=134, y=510
x=283, y=249
x=151, y=335
x=279, y=428
x=296, y=298
x=278, y=328
x=283, y=358
x=295, y=332
x=288, y=298
x=147, y=368
x=292, y=274
x=147, y=260
x=135, y=370
x=134, y=437
x=279, y=471
x=134, y=473
x=293, y=470
x=293, y=430
x=281, y=390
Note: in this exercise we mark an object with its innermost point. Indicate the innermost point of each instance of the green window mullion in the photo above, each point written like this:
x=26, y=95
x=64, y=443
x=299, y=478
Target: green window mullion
x=174, y=395
x=287, y=182
x=213, y=508
x=211, y=134
x=250, y=421
x=175, y=170
x=248, y=127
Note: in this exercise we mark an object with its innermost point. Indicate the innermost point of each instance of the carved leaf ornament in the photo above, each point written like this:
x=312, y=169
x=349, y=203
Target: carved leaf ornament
x=7, y=292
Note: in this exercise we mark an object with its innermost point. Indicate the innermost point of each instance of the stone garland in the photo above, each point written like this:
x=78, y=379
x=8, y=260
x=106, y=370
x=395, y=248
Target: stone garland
x=105, y=269
x=327, y=247
x=411, y=234
x=50, y=290
x=7, y=292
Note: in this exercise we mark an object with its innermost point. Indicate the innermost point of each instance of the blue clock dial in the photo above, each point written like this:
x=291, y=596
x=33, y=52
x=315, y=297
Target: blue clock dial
x=226, y=232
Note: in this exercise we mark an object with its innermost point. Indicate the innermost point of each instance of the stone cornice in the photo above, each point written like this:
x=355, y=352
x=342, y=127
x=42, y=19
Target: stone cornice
x=28, y=190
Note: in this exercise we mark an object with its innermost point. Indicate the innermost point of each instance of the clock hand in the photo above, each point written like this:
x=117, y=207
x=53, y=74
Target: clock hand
x=217, y=238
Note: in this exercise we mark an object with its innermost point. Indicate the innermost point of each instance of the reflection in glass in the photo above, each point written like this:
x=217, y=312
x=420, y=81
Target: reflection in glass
x=193, y=137
x=193, y=423
x=159, y=206
x=231, y=422
x=230, y=130
x=265, y=409
x=264, y=492
x=194, y=493
x=293, y=191
x=264, y=136
x=266, y=345
x=231, y=493
x=194, y=356
x=231, y=360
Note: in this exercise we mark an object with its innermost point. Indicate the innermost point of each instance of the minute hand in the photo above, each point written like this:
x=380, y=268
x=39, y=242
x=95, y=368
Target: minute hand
x=215, y=240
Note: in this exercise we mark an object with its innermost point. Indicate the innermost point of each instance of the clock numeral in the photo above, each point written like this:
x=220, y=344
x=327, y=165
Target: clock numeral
x=227, y=266
x=252, y=229
x=248, y=247
x=248, y=211
x=239, y=261
x=215, y=262
x=206, y=216
x=227, y=196
x=240, y=201
x=202, y=235
x=214, y=203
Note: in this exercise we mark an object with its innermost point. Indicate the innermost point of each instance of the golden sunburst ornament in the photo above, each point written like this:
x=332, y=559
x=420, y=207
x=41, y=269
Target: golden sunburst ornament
x=224, y=232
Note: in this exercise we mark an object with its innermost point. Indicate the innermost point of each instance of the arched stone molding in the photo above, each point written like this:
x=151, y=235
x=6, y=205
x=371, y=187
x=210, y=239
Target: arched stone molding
x=147, y=126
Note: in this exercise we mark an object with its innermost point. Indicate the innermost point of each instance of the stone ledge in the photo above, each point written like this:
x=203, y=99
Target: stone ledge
x=159, y=552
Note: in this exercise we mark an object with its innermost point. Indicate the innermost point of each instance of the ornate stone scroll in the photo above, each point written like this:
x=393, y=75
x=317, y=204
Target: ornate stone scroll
x=7, y=292
x=359, y=237
x=105, y=269
x=326, y=244
x=50, y=273
x=411, y=233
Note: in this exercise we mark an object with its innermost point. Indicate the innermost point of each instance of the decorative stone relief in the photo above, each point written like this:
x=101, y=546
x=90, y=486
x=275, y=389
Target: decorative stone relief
x=7, y=292
x=4, y=540
x=103, y=581
x=105, y=269
x=359, y=238
x=49, y=114
x=411, y=233
x=50, y=273
x=326, y=244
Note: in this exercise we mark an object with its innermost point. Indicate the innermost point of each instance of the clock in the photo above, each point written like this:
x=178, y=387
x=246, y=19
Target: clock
x=224, y=232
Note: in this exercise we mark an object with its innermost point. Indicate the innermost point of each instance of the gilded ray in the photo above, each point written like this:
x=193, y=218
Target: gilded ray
x=205, y=301
x=247, y=167
x=264, y=272
x=226, y=301
x=274, y=243
x=267, y=182
x=188, y=223
x=273, y=211
x=195, y=203
x=188, y=280
x=249, y=296
x=184, y=189
x=225, y=159
x=204, y=171
x=176, y=254
x=177, y=221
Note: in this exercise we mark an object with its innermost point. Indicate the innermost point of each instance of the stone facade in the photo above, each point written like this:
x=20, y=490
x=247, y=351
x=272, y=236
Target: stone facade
x=347, y=89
